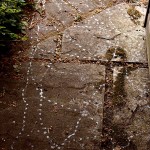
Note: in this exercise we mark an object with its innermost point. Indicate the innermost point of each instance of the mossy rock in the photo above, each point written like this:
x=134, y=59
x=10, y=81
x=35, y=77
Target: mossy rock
x=78, y=18
x=135, y=14
x=119, y=96
x=115, y=52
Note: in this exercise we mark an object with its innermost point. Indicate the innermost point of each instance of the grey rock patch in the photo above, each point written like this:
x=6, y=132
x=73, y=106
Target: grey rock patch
x=44, y=28
x=46, y=48
x=139, y=129
x=103, y=3
x=112, y=27
x=82, y=6
x=60, y=10
x=66, y=103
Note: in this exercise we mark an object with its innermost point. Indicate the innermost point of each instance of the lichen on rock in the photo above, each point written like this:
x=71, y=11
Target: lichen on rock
x=134, y=14
x=115, y=52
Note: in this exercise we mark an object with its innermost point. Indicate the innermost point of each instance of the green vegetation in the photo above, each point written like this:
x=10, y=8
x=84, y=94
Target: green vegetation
x=12, y=27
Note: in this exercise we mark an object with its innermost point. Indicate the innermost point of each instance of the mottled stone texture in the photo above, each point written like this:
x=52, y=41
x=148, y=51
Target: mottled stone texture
x=113, y=27
x=62, y=107
x=65, y=92
x=82, y=6
x=131, y=100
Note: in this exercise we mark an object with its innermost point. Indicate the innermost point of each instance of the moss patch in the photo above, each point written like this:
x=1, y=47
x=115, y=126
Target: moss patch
x=134, y=14
x=119, y=96
x=115, y=52
x=119, y=90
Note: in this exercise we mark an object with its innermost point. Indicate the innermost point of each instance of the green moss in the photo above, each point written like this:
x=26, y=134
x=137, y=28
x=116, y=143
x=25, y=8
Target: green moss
x=119, y=96
x=135, y=14
x=118, y=51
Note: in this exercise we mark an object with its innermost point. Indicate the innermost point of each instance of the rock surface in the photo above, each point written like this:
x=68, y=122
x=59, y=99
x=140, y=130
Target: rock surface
x=62, y=107
x=83, y=82
x=131, y=100
x=113, y=27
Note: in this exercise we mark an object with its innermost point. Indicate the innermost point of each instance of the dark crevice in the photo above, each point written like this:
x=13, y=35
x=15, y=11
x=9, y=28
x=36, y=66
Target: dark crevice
x=84, y=61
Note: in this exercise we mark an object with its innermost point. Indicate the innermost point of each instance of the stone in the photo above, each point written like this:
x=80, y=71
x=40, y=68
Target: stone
x=61, y=106
x=104, y=3
x=83, y=6
x=60, y=10
x=45, y=28
x=46, y=48
x=148, y=40
x=131, y=104
x=91, y=38
x=47, y=103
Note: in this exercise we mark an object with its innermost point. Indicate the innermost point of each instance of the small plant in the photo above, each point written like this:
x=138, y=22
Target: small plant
x=12, y=27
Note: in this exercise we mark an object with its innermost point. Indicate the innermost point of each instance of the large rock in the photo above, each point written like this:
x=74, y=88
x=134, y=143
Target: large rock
x=46, y=48
x=60, y=107
x=131, y=106
x=113, y=27
x=59, y=10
